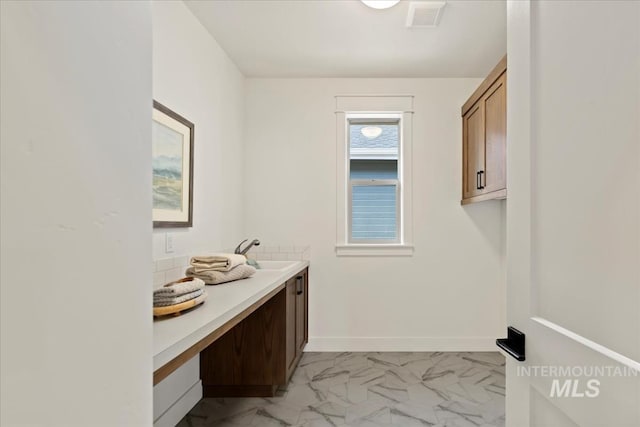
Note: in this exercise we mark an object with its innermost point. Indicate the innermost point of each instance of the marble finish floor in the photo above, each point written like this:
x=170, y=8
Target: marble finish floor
x=373, y=389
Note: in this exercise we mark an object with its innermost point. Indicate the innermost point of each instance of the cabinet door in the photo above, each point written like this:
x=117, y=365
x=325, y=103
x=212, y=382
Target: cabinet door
x=306, y=307
x=249, y=354
x=301, y=310
x=495, y=128
x=290, y=327
x=473, y=149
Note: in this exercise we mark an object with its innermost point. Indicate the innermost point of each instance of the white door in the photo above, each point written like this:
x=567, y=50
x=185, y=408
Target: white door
x=573, y=212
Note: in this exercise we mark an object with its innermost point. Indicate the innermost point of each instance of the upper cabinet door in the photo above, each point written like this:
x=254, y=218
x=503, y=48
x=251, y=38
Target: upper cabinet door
x=484, y=139
x=495, y=123
x=473, y=150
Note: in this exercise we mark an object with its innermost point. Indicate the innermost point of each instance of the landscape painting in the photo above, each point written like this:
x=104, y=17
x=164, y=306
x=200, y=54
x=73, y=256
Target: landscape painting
x=167, y=167
x=172, y=163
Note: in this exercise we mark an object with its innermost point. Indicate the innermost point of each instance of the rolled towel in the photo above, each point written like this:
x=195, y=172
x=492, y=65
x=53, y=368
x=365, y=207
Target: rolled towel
x=179, y=287
x=212, y=277
x=164, y=300
x=217, y=262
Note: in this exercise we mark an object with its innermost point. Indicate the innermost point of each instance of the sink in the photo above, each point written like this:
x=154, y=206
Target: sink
x=276, y=265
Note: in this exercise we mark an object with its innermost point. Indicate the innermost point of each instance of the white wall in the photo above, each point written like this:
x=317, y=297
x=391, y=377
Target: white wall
x=450, y=294
x=76, y=213
x=194, y=77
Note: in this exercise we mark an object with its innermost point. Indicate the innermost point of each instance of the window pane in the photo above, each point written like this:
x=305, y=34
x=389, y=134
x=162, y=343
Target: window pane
x=374, y=169
x=373, y=213
x=373, y=141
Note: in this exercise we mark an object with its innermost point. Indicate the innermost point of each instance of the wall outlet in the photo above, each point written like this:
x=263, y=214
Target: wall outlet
x=168, y=243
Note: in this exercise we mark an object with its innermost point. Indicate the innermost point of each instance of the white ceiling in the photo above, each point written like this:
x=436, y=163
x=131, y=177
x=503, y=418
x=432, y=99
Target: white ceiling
x=345, y=38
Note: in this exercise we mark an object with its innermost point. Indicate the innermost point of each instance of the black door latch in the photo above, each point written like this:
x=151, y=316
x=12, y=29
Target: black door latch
x=513, y=344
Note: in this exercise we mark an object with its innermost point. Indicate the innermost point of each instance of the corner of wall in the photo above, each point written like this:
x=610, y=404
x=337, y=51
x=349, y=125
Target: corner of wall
x=204, y=85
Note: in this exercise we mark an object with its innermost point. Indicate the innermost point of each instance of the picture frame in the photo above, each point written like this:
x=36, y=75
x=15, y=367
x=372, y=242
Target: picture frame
x=172, y=167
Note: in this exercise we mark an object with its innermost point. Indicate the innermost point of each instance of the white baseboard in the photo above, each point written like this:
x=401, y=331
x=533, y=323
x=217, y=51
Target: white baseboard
x=181, y=407
x=401, y=344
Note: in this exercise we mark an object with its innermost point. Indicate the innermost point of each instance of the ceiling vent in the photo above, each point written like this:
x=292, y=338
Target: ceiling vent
x=424, y=14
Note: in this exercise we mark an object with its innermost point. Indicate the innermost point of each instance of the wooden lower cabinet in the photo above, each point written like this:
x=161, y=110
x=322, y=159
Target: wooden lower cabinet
x=300, y=331
x=291, y=353
x=261, y=352
x=302, y=318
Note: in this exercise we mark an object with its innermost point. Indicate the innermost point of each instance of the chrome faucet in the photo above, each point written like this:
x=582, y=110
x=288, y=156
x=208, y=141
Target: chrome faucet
x=255, y=242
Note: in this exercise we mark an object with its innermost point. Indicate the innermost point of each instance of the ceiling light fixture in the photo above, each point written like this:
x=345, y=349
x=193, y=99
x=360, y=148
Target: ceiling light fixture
x=380, y=4
x=371, y=131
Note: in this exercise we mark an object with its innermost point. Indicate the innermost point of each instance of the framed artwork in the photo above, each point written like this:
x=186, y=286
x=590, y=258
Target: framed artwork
x=172, y=151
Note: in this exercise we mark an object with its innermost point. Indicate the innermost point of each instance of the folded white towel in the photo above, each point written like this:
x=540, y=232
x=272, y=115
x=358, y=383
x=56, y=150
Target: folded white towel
x=164, y=300
x=176, y=308
x=200, y=299
x=179, y=287
x=212, y=277
x=217, y=262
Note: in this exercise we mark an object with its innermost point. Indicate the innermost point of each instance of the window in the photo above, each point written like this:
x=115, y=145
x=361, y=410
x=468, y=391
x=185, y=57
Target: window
x=374, y=170
x=374, y=186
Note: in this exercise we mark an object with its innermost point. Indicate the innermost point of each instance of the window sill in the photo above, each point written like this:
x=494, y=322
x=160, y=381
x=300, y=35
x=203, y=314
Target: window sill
x=374, y=250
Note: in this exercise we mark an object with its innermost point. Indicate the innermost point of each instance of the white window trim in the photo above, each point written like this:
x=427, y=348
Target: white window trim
x=381, y=249
x=372, y=107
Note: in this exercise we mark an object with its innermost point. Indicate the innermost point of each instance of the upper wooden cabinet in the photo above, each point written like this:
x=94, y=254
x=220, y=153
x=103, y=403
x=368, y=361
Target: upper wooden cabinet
x=484, y=139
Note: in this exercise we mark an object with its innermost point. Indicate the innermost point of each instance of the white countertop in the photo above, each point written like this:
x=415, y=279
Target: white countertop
x=174, y=335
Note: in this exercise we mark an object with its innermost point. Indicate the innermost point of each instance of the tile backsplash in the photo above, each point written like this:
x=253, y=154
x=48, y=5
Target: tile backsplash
x=280, y=253
x=167, y=270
